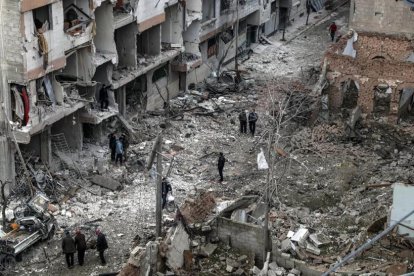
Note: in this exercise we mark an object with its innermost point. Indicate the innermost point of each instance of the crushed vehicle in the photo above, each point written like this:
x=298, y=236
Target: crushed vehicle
x=34, y=224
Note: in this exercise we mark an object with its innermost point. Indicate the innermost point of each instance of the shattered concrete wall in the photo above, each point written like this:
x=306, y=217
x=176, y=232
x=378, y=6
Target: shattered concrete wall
x=380, y=60
x=149, y=13
x=126, y=40
x=172, y=28
x=382, y=16
x=243, y=236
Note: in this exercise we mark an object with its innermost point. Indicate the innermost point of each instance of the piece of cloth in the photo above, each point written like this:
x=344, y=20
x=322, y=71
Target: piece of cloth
x=101, y=243
x=69, y=259
x=81, y=257
x=68, y=245
x=18, y=103
x=43, y=48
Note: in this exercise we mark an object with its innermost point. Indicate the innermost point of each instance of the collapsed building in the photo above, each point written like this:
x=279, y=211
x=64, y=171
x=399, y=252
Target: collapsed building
x=58, y=55
x=372, y=66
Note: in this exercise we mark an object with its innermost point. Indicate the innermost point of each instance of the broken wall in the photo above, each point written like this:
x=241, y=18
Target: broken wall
x=402, y=204
x=104, y=39
x=173, y=26
x=380, y=60
x=126, y=41
x=54, y=37
x=72, y=128
x=382, y=16
x=161, y=89
x=243, y=236
x=149, y=13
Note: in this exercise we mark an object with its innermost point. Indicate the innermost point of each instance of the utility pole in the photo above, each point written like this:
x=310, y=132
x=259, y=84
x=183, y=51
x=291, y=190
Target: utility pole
x=308, y=11
x=158, y=210
x=236, y=63
x=284, y=27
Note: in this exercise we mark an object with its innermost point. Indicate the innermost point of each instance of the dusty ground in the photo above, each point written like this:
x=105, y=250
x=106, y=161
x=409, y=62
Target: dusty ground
x=324, y=189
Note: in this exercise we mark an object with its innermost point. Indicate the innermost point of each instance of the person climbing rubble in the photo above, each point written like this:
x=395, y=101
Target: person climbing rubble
x=220, y=165
x=103, y=97
x=165, y=189
x=112, y=145
x=101, y=245
x=332, y=30
x=125, y=144
x=252, y=121
x=80, y=243
x=68, y=248
x=119, y=151
x=243, y=122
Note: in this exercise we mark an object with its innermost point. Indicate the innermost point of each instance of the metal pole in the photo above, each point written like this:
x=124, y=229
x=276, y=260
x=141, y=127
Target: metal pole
x=366, y=245
x=158, y=210
x=236, y=64
x=284, y=28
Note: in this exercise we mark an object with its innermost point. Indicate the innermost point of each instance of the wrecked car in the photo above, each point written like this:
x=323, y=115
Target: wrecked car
x=35, y=225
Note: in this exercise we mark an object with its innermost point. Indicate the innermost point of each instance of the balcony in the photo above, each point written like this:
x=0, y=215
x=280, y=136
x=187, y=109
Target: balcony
x=77, y=27
x=186, y=62
x=122, y=76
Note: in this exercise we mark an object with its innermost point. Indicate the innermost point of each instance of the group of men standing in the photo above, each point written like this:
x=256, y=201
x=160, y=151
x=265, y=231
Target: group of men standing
x=118, y=147
x=70, y=246
x=244, y=117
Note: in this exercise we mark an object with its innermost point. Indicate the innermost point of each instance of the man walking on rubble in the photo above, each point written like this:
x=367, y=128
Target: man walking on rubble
x=101, y=245
x=125, y=144
x=220, y=165
x=103, y=97
x=332, y=30
x=119, y=151
x=68, y=248
x=80, y=243
x=243, y=121
x=252, y=121
x=112, y=145
x=165, y=189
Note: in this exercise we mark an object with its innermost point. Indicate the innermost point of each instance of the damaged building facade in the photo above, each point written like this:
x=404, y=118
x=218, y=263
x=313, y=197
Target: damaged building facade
x=373, y=65
x=59, y=55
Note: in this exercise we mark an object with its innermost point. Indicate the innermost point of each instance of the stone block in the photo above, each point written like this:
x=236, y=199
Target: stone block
x=106, y=182
x=207, y=250
x=273, y=266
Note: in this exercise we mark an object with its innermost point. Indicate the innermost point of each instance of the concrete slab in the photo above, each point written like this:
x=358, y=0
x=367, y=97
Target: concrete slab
x=208, y=249
x=180, y=242
x=106, y=182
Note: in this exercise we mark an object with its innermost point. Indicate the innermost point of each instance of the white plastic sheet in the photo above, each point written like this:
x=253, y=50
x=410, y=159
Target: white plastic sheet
x=261, y=161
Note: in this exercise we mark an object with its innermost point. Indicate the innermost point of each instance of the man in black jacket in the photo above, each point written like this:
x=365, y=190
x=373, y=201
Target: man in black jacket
x=252, y=121
x=103, y=97
x=101, y=245
x=243, y=121
x=112, y=145
x=166, y=188
x=220, y=165
x=80, y=243
x=68, y=248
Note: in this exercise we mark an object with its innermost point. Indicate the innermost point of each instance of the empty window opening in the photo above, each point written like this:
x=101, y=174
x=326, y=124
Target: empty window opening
x=406, y=104
x=76, y=20
x=160, y=73
x=43, y=18
x=212, y=47
x=382, y=99
x=209, y=11
x=350, y=90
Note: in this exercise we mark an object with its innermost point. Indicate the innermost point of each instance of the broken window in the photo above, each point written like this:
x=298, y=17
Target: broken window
x=242, y=26
x=209, y=11
x=76, y=20
x=43, y=18
x=382, y=99
x=349, y=94
x=227, y=35
x=225, y=6
x=212, y=47
x=273, y=7
x=160, y=73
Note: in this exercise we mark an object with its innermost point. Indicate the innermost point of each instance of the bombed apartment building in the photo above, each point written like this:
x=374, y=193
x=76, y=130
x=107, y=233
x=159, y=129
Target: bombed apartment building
x=72, y=64
x=373, y=65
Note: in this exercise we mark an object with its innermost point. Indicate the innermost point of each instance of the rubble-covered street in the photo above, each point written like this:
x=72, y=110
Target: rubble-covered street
x=332, y=179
